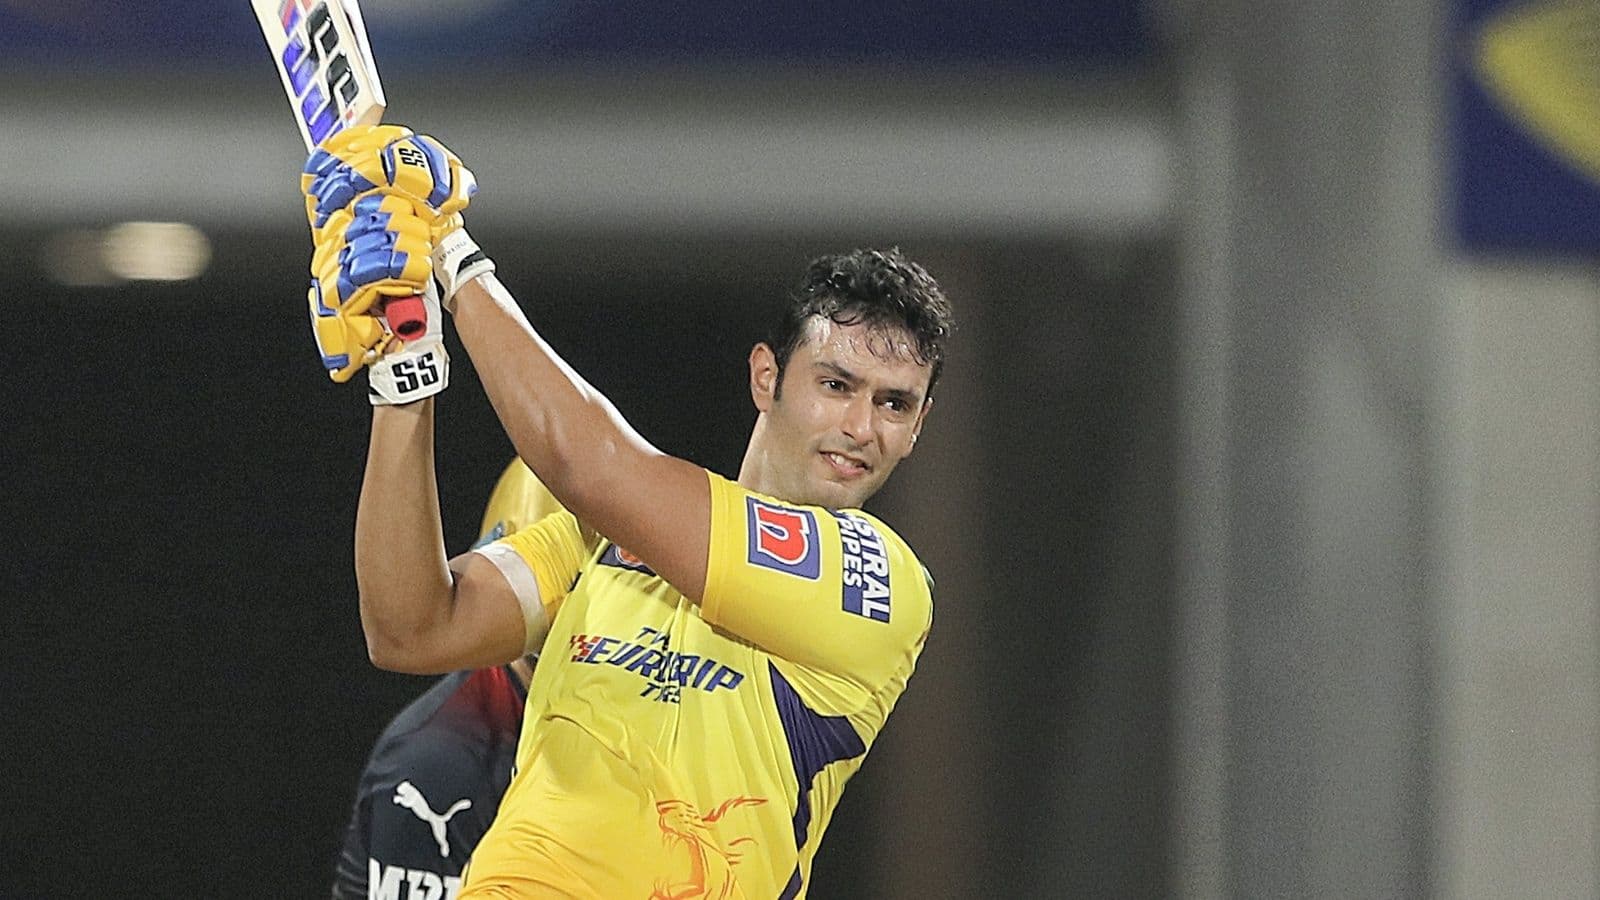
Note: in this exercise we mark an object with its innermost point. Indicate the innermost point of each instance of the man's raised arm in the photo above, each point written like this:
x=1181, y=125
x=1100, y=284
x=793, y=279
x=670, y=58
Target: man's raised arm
x=372, y=245
x=365, y=180
x=657, y=506
x=417, y=615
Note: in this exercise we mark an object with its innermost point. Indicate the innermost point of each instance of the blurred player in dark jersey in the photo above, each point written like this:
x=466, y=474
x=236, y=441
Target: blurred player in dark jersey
x=435, y=776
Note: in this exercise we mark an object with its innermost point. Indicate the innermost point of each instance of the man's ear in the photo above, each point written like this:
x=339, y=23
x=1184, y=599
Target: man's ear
x=922, y=418
x=763, y=376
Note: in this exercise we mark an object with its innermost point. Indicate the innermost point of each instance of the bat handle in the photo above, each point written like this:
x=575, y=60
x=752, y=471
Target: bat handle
x=407, y=316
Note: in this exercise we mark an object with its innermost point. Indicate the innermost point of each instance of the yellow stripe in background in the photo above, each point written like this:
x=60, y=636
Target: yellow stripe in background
x=1541, y=61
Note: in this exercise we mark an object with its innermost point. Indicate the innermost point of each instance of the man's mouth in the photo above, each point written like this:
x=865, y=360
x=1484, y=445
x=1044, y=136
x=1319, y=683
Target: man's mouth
x=846, y=465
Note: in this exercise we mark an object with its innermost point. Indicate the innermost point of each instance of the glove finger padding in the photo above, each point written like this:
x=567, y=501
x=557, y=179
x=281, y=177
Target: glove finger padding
x=386, y=239
x=378, y=239
x=347, y=341
x=387, y=158
x=377, y=248
x=344, y=167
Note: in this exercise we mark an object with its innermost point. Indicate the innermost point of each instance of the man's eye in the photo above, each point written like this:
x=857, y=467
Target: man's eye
x=833, y=384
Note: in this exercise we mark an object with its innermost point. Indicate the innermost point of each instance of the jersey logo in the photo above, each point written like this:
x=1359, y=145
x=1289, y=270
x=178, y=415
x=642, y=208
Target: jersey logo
x=495, y=533
x=783, y=539
x=618, y=557
x=407, y=795
x=666, y=672
x=707, y=856
x=866, y=569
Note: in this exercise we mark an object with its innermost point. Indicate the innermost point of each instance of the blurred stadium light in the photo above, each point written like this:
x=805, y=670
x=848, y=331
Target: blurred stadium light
x=131, y=251
x=156, y=251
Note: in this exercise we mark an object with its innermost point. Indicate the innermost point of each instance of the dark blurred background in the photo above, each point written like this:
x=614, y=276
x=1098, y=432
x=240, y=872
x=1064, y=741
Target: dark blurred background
x=1259, y=492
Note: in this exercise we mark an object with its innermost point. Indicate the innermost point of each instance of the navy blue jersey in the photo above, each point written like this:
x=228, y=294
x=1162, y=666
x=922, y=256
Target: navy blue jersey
x=431, y=787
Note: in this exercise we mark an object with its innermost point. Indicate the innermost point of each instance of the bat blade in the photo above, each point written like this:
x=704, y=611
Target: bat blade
x=325, y=62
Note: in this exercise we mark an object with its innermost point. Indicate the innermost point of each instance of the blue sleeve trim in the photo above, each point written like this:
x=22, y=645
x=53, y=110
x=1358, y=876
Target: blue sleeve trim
x=814, y=742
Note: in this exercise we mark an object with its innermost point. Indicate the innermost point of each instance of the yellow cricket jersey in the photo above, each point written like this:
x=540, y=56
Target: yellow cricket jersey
x=675, y=750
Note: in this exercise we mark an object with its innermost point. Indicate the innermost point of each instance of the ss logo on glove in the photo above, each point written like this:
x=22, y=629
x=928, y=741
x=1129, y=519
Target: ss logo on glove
x=411, y=156
x=410, y=374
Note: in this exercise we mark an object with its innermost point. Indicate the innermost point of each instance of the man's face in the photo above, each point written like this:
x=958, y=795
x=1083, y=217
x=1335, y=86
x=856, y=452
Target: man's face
x=852, y=403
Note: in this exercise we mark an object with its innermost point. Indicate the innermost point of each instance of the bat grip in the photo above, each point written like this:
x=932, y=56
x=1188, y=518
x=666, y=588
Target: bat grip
x=407, y=316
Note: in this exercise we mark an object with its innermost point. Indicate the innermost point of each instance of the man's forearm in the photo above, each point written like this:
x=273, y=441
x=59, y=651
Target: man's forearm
x=401, y=566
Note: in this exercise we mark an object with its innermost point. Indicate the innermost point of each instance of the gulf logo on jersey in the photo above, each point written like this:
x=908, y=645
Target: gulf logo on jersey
x=783, y=539
x=866, y=568
x=619, y=557
x=493, y=534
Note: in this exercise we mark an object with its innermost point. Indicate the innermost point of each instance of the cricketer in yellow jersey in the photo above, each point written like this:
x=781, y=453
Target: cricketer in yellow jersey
x=716, y=657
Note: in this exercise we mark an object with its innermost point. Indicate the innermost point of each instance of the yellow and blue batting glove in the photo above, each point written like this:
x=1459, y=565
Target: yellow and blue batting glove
x=392, y=160
x=389, y=159
x=375, y=249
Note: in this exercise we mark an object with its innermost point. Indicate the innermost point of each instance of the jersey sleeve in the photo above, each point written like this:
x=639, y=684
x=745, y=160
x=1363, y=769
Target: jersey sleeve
x=836, y=591
x=540, y=561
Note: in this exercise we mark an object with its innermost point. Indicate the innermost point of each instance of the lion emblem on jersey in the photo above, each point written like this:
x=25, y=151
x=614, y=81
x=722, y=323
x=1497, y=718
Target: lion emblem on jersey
x=708, y=862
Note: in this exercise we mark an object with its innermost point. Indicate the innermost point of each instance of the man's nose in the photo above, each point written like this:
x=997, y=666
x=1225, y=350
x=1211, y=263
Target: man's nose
x=859, y=419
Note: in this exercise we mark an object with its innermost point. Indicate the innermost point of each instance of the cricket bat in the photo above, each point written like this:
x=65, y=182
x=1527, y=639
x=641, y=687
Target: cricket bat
x=325, y=63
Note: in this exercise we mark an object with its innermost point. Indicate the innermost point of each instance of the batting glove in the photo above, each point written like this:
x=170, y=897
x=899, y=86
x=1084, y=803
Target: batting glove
x=376, y=249
x=389, y=159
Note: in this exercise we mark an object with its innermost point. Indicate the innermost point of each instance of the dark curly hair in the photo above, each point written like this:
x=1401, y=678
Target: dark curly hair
x=878, y=288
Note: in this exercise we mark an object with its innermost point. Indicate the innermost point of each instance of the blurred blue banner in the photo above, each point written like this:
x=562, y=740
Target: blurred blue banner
x=117, y=36
x=1527, y=125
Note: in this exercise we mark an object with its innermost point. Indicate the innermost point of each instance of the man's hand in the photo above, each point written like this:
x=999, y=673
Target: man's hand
x=420, y=368
x=377, y=197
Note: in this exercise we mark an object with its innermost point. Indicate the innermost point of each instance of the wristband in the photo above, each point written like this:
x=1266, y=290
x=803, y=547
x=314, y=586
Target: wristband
x=457, y=259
